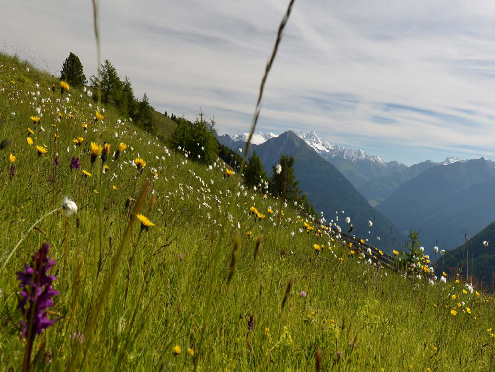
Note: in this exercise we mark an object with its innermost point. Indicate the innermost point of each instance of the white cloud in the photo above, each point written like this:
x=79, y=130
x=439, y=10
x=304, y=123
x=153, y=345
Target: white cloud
x=365, y=73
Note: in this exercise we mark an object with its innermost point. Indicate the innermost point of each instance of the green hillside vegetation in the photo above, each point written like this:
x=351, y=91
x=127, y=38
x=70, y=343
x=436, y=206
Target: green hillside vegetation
x=481, y=265
x=169, y=263
x=378, y=189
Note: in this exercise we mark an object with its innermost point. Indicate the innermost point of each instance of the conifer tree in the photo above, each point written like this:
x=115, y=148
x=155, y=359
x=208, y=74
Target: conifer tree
x=254, y=173
x=72, y=71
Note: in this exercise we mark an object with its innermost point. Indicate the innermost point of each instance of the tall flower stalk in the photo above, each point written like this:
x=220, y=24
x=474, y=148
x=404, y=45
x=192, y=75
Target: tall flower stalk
x=35, y=298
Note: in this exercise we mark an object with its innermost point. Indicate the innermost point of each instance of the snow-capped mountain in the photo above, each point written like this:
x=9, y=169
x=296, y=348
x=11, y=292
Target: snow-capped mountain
x=328, y=151
x=257, y=139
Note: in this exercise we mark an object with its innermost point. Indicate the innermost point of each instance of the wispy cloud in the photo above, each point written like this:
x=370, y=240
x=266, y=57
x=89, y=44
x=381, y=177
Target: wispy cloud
x=362, y=73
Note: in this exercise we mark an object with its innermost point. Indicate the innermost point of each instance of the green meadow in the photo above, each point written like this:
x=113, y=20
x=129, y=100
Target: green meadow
x=198, y=281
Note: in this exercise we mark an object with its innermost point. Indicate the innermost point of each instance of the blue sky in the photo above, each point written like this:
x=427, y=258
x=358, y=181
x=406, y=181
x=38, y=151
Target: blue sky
x=407, y=81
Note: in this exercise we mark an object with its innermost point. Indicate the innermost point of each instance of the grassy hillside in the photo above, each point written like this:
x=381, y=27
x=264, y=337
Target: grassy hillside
x=163, y=125
x=481, y=257
x=194, y=285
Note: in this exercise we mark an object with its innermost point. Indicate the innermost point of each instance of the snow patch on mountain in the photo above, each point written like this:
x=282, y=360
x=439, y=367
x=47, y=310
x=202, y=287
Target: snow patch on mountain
x=257, y=139
x=326, y=149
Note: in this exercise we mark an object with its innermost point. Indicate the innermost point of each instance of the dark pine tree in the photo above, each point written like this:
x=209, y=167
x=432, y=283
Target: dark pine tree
x=72, y=71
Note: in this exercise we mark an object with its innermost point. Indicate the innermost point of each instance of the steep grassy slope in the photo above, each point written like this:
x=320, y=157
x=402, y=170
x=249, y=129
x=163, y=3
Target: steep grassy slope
x=158, y=298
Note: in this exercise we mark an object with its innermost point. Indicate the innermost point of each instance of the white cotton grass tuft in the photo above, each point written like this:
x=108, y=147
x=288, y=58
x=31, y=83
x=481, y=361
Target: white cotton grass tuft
x=69, y=207
x=278, y=169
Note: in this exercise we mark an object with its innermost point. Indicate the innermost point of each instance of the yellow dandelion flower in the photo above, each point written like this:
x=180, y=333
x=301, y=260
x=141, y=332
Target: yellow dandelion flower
x=249, y=234
x=444, y=274
x=176, y=350
x=12, y=158
x=190, y=351
x=464, y=291
x=41, y=150
x=489, y=329
x=56, y=135
x=70, y=116
x=270, y=210
x=454, y=296
x=317, y=247
x=86, y=173
x=145, y=221
x=59, y=114
x=261, y=216
x=477, y=293
x=95, y=151
x=264, y=196
x=98, y=115
x=362, y=241
x=453, y=312
x=114, y=187
x=341, y=259
x=457, y=281
x=468, y=310
x=396, y=253
x=381, y=253
x=106, y=167
x=64, y=85
x=35, y=119
x=140, y=163
x=229, y=172
x=30, y=131
x=84, y=126
x=122, y=146
x=459, y=305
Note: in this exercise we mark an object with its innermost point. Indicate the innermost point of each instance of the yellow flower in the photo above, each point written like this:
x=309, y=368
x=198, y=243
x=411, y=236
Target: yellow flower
x=70, y=116
x=270, y=210
x=106, y=167
x=140, y=163
x=41, y=150
x=229, y=172
x=477, y=293
x=98, y=115
x=464, y=291
x=30, y=131
x=381, y=253
x=489, y=329
x=114, y=187
x=454, y=296
x=453, y=312
x=86, y=173
x=362, y=241
x=64, y=85
x=444, y=274
x=176, y=350
x=35, y=119
x=146, y=222
x=317, y=247
x=84, y=126
x=468, y=310
x=396, y=253
x=457, y=281
x=95, y=151
x=249, y=233
x=261, y=216
x=190, y=351
x=78, y=140
x=264, y=196
x=59, y=114
x=122, y=146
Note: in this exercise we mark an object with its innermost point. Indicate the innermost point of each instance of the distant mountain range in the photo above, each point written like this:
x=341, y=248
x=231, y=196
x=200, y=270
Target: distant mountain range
x=444, y=200
x=326, y=187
